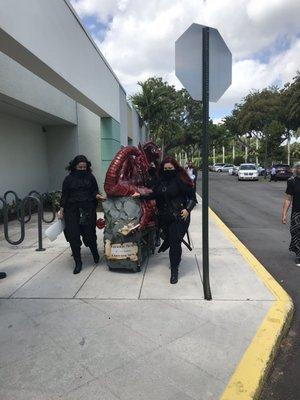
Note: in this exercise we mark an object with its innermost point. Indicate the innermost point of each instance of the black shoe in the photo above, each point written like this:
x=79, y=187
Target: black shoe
x=96, y=258
x=174, y=275
x=95, y=254
x=78, y=266
x=2, y=275
x=297, y=261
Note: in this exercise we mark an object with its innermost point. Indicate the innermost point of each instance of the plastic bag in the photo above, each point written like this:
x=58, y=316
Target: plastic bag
x=55, y=229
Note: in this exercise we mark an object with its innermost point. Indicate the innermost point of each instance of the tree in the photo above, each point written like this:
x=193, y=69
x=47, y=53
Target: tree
x=173, y=117
x=291, y=103
x=262, y=114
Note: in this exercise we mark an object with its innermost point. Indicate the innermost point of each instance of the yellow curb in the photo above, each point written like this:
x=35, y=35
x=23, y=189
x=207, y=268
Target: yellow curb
x=247, y=380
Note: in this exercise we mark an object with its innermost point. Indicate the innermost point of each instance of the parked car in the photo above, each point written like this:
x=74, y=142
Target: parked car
x=225, y=168
x=248, y=172
x=283, y=172
x=217, y=166
x=233, y=171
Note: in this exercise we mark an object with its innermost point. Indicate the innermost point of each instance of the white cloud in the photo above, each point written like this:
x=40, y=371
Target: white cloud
x=250, y=74
x=140, y=39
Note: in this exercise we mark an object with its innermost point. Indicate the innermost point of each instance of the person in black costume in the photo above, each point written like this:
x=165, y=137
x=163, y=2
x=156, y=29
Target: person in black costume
x=78, y=205
x=175, y=198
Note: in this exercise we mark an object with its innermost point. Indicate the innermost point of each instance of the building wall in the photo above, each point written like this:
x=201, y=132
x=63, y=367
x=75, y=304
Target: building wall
x=62, y=146
x=17, y=83
x=136, y=130
x=129, y=124
x=47, y=38
x=52, y=76
x=110, y=143
x=65, y=142
x=89, y=138
x=23, y=156
x=123, y=118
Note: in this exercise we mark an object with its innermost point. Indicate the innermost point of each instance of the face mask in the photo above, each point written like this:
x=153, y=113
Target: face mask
x=80, y=173
x=169, y=174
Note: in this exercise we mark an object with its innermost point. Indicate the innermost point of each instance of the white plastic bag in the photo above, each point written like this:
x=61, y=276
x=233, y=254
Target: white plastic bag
x=55, y=229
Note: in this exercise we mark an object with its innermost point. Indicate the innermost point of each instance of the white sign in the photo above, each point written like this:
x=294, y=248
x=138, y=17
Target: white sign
x=125, y=250
x=188, y=62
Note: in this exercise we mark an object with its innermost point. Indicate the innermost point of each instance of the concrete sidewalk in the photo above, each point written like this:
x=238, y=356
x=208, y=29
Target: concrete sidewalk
x=108, y=335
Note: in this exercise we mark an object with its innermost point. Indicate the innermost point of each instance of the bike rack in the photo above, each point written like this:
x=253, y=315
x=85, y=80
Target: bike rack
x=32, y=197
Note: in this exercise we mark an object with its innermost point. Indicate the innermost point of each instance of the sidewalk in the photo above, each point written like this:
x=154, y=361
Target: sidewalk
x=109, y=335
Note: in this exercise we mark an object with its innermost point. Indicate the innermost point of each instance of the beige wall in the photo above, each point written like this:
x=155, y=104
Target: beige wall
x=23, y=156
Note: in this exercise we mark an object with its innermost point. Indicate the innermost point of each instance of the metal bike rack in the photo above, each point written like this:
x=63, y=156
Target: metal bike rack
x=32, y=197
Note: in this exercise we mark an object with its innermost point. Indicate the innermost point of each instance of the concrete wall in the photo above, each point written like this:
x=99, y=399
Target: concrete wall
x=129, y=124
x=47, y=38
x=62, y=146
x=64, y=143
x=123, y=118
x=23, y=156
x=136, y=132
x=89, y=138
x=17, y=83
x=144, y=134
x=110, y=142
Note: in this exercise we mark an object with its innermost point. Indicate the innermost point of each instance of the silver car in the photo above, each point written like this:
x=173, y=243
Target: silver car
x=225, y=168
x=217, y=166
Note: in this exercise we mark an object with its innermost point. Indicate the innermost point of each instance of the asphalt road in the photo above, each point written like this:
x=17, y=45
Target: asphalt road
x=252, y=211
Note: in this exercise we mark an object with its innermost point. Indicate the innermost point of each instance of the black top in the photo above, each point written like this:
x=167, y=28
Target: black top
x=79, y=186
x=172, y=196
x=293, y=188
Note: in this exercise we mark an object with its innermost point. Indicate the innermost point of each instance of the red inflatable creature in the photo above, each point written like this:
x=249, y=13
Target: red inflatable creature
x=128, y=173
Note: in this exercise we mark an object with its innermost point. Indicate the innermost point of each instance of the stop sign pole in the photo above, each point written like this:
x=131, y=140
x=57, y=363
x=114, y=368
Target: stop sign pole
x=205, y=187
x=203, y=64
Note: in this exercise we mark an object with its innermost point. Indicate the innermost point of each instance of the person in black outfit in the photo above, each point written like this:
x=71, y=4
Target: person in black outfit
x=175, y=198
x=78, y=205
x=293, y=197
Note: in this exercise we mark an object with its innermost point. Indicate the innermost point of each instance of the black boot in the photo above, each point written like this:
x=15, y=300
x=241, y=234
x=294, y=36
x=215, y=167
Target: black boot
x=78, y=265
x=77, y=259
x=174, y=274
x=95, y=253
x=2, y=275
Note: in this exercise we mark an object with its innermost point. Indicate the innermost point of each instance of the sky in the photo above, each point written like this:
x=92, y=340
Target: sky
x=137, y=37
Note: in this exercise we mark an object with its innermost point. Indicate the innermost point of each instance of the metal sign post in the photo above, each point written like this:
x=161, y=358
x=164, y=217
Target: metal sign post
x=203, y=64
x=205, y=105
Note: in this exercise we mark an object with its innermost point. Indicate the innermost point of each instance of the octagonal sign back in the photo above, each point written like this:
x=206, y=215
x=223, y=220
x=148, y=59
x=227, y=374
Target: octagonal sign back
x=188, y=62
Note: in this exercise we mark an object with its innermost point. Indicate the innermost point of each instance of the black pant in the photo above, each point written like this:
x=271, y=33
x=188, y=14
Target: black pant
x=174, y=232
x=80, y=220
